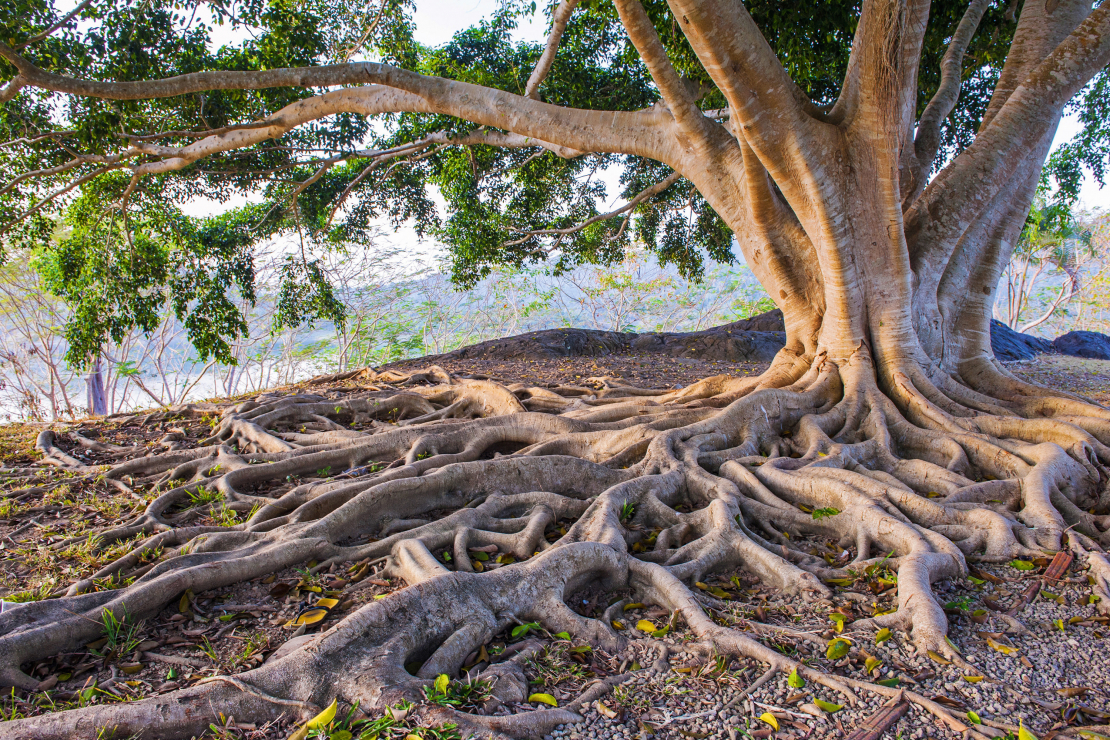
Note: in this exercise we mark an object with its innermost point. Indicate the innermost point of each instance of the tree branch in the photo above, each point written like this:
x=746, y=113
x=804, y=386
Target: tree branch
x=768, y=108
x=640, y=197
x=927, y=141
x=559, y=20
x=640, y=30
x=953, y=201
x=637, y=132
x=68, y=17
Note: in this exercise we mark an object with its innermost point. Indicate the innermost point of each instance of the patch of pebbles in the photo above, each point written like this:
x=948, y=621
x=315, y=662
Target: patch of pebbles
x=1023, y=686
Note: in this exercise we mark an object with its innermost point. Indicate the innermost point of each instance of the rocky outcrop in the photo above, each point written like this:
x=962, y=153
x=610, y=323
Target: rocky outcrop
x=1010, y=345
x=1091, y=344
x=751, y=340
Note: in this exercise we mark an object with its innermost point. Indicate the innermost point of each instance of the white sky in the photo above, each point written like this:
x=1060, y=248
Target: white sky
x=438, y=20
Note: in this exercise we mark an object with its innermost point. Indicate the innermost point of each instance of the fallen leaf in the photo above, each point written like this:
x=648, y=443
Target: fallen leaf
x=604, y=710
x=838, y=648
x=1004, y=649
x=770, y=719
x=938, y=657
x=794, y=680
x=871, y=664
x=882, y=635
x=1073, y=691
x=973, y=679
x=441, y=684
x=973, y=718
x=828, y=706
x=645, y=625
x=1024, y=734
x=323, y=718
x=1022, y=565
x=312, y=616
x=543, y=699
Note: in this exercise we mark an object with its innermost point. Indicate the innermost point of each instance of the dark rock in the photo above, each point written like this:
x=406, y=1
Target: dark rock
x=1091, y=344
x=751, y=340
x=1010, y=345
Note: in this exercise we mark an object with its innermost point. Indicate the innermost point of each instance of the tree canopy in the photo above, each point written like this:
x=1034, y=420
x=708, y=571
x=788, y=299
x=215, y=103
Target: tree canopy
x=125, y=248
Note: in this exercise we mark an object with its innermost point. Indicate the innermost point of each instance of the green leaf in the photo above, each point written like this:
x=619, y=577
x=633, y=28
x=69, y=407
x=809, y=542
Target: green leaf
x=891, y=683
x=563, y=635
x=828, y=706
x=882, y=636
x=973, y=718
x=1022, y=564
x=838, y=648
x=794, y=680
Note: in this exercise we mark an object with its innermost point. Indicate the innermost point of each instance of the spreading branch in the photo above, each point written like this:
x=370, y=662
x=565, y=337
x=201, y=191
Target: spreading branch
x=649, y=192
x=675, y=94
x=927, y=140
x=559, y=20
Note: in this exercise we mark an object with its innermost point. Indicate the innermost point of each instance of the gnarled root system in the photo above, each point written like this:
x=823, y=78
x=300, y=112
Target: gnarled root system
x=412, y=474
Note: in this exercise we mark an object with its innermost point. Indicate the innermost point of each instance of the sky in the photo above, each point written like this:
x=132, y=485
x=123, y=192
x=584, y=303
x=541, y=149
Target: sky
x=438, y=20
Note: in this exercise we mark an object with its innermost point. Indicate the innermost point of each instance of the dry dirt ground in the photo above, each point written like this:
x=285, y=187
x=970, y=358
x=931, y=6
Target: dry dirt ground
x=1044, y=664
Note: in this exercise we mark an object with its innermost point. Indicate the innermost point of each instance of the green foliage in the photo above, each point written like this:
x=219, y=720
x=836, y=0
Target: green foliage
x=1090, y=149
x=123, y=254
x=462, y=695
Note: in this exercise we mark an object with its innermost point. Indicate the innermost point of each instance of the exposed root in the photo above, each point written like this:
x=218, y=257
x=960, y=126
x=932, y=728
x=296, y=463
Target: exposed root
x=610, y=488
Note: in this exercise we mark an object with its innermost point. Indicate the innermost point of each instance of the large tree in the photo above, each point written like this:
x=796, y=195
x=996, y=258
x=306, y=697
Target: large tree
x=808, y=134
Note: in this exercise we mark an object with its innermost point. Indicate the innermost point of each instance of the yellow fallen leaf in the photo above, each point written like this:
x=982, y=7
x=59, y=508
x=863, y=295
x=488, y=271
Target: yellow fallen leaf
x=645, y=625
x=828, y=706
x=633, y=605
x=543, y=699
x=1004, y=649
x=442, y=681
x=882, y=635
x=702, y=586
x=604, y=710
x=770, y=719
x=324, y=717
x=938, y=657
x=1024, y=734
x=183, y=604
x=871, y=664
x=973, y=679
x=617, y=624
x=312, y=616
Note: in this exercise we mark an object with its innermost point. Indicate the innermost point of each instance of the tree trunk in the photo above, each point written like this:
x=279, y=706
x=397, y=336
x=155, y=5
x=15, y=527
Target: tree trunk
x=94, y=391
